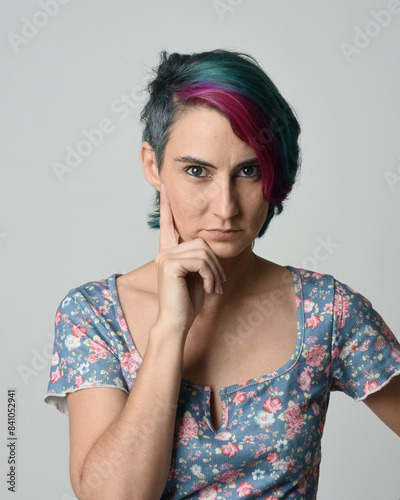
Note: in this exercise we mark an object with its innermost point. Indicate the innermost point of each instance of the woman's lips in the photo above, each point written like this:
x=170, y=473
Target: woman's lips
x=223, y=234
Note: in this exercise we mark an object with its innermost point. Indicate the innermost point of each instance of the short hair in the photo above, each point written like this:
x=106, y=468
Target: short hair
x=234, y=84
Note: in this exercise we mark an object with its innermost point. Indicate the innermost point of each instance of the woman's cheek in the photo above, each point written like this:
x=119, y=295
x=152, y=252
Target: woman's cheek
x=196, y=202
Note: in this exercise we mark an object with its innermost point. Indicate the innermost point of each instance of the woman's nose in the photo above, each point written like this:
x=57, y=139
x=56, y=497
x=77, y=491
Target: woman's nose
x=224, y=200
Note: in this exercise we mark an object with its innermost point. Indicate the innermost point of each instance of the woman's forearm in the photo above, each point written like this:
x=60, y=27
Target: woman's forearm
x=131, y=459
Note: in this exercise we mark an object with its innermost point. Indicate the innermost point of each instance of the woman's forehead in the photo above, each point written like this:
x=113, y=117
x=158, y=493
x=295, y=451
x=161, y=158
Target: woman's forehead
x=203, y=127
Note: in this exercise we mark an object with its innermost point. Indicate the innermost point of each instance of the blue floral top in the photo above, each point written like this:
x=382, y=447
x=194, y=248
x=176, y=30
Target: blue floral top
x=269, y=441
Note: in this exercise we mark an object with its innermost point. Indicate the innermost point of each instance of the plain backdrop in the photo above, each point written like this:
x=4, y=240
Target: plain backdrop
x=336, y=62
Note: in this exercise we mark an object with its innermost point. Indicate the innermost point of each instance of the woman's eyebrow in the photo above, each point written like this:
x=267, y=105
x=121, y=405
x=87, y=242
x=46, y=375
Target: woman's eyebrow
x=192, y=159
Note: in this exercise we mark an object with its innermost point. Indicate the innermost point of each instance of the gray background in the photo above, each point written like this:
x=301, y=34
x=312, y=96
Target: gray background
x=55, y=235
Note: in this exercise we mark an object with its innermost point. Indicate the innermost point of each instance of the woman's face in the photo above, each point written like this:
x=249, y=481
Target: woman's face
x=213, y=183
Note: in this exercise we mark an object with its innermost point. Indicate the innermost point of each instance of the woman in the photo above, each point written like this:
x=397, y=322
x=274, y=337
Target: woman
x=224, y=360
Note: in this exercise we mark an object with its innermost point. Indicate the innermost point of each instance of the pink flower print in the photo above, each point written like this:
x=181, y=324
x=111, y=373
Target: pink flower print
x=272, y=457
x=328, y=369
x=230, y=449
x=55, y=359
x=122, y=324
x=94, y=310
x=93, y=358
x=78, y=331
x=129, y=362
x=308, y=305
x=239, y=397
x=290, y=434
x=55, y=376
x=335, y=353
x=173, y=474
x=317, y=275
x=340, y=305
x=106, y=294
x=395, y=354
x=229, y=476
x=208, y=493
x=313, y=321
x=380, y=344
x=353, y=346
x=78, y=380
x=315, y=355
x=290, y=464
x=272, y=405
x=271, y=498
x=370, y=386
x=364, y=345
x=294, y=417
x=248, y=439
x=243, y=384
x=186, y=429
x=58, y=317
x=104, y=309
x=304, y=381
x=99, y=347
x=245, y=489
x=298, y=301
x=328, y=308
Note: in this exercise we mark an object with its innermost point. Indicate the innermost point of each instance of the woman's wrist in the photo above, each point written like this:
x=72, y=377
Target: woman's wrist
x=167, y=337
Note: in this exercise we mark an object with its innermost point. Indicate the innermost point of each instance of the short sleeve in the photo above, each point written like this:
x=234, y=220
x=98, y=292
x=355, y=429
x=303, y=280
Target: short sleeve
x=85, y=353
x=365, y=353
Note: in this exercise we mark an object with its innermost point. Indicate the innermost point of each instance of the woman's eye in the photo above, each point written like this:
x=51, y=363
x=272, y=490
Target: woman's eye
x=195, y=171
x=250, y=171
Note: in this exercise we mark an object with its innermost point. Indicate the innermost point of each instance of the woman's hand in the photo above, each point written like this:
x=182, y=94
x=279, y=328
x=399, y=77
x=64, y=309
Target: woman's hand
x=185, y=272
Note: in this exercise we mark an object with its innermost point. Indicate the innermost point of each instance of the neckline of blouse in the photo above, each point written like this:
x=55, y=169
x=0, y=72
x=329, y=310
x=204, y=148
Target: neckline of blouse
x=298, y=290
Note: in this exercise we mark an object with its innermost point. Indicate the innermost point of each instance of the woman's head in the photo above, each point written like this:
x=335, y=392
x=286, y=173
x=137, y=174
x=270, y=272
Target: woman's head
x=235, y=85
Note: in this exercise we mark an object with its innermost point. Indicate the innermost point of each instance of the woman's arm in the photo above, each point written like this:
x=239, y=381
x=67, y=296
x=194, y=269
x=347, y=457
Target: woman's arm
x=385, y=403
x=121, y=445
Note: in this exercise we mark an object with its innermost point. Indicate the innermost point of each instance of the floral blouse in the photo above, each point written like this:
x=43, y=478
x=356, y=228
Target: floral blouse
x=269, y=443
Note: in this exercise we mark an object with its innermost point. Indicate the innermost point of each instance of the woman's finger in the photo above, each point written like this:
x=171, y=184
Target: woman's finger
x=169, y=236
x=195, y=246
x=196, y=255
x=180, y=266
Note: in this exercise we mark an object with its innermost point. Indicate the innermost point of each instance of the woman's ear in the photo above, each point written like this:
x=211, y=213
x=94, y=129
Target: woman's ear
x=149, y=165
